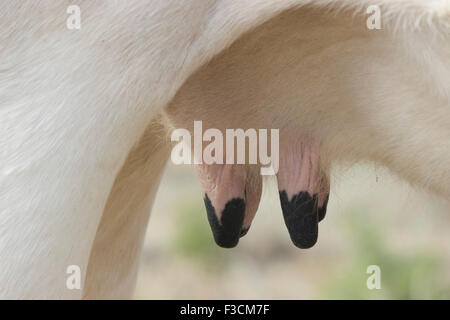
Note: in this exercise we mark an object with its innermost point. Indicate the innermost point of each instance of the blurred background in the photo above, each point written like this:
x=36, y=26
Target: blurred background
x=372, y=219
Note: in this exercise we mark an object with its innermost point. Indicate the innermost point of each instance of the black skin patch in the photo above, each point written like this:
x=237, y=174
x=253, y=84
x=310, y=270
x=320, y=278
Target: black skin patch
x=228, y=231
x=301, y=218
x=323, y=209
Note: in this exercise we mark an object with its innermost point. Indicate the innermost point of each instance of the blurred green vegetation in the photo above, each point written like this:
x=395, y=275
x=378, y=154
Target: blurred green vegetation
x=409, y=276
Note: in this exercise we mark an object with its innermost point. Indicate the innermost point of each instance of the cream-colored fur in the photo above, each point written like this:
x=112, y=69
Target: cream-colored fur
x=74, y=103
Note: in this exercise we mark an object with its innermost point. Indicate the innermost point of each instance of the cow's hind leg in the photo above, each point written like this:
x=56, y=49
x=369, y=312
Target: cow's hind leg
x=114, y=258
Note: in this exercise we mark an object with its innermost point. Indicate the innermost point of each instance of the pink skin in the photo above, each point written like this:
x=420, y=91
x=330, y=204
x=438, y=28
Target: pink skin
x=223, y=182
x=253, y=196
x=299, y=170
x=324, y=190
